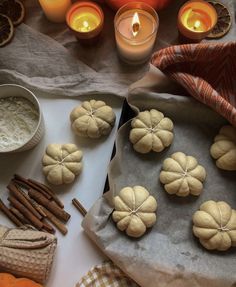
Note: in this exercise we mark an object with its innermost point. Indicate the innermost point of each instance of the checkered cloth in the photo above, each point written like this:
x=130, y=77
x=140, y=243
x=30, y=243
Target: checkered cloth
x=106, y=275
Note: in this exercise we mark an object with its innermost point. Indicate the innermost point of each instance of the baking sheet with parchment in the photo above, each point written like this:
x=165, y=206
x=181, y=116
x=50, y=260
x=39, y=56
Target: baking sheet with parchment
x=169, y=254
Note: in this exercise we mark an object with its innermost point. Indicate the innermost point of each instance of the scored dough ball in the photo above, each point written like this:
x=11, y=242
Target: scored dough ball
x=134, y=210
x=224, y=148
x=215, y=225
x=151, y=131
x=62, y=163
x=92, y=119
x=182, y=175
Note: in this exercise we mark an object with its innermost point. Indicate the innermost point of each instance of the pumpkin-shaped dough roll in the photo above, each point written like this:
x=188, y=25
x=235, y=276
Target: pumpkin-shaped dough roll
x=92, y=119
x=224, y=148
x=182, y=175
x=215, y=225
x=134, y=210
x=151, y=131
x=62, y=163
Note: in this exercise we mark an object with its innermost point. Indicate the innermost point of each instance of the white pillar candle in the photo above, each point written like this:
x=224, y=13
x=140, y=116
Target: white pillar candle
x=55, y=10
x=136, y=26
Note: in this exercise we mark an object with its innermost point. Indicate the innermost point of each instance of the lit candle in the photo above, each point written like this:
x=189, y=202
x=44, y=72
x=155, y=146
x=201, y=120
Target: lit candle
x=136, y=26
x=85, y=19
x=55, y=10
x=196, y=19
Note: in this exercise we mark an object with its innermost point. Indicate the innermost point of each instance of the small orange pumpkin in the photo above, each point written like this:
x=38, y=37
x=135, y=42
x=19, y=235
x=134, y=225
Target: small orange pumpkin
x=8, y=280
x=156, y=4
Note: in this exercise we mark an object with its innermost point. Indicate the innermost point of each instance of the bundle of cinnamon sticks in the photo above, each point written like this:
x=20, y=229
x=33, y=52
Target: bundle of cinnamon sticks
x=32, y=202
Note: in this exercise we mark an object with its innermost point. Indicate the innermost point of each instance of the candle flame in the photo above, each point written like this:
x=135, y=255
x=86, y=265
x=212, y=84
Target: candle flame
x=86, y=25
x=197, y=24
x=135, y=24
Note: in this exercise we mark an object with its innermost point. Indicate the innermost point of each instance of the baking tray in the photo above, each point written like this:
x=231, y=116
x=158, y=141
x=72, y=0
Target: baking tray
x=126, y=114
x=169, y=250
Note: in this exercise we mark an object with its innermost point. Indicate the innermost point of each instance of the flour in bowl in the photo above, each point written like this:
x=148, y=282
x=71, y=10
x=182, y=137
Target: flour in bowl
x=18, y=121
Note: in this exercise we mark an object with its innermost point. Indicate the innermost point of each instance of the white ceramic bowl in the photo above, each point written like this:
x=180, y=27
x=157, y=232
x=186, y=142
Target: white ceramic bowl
x=11, y=90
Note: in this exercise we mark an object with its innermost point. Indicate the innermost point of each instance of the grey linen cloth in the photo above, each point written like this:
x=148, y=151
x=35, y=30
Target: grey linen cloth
x=39, y=62
x=46, y=57
x=39, y=57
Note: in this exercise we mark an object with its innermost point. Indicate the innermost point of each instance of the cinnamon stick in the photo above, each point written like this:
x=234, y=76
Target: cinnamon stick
x=9, y=214
x=79, y=206
x=35, y=204
x=42, y=188
x=48, y=227
x=50, y=205
x=21, y=180
x=17, y=193
x=55, y=221
x=39, y=189
x=19, y=215
x=38, y=207
x=26, y=185
x=28, y=214
x=48, y=190
x=20, y=183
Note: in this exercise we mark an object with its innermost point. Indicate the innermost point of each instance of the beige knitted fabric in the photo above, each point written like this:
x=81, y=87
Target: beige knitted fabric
x=26, y=252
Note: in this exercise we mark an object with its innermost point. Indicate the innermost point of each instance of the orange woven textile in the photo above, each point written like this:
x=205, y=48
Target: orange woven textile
x=206, y=71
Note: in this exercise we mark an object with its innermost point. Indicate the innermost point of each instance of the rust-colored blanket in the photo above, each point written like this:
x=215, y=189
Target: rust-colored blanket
x=206, y=71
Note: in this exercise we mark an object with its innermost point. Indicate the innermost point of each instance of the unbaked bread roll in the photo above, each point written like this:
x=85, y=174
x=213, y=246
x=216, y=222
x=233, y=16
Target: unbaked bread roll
x=224, y=148
x=92, y=119
x=62, y=163
x=215, y=225
x=151, y=131
x=134, y=210
x=182, y=175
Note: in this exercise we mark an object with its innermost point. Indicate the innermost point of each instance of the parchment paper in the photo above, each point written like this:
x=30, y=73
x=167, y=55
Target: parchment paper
x=168, y=255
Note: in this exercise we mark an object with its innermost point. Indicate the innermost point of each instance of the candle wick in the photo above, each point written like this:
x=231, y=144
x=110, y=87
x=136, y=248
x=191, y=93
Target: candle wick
x=135, y=28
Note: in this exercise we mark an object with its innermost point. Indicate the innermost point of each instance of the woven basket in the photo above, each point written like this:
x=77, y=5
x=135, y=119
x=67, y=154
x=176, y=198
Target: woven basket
x=27, y=252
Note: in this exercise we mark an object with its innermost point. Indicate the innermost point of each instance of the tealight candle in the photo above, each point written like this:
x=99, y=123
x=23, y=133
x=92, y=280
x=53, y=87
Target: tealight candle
x=85, y=19
x=196, y=19
x=136, y=26
x=55, y=10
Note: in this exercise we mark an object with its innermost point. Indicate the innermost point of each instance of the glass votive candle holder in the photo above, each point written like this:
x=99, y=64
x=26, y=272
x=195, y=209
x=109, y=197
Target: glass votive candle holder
x=136, y=25
x=55, y=10
x=85, y=19
x=196, y=19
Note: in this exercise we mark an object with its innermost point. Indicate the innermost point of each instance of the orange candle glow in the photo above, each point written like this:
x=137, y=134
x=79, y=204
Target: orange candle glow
x=85, y=19
x=196, y=19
